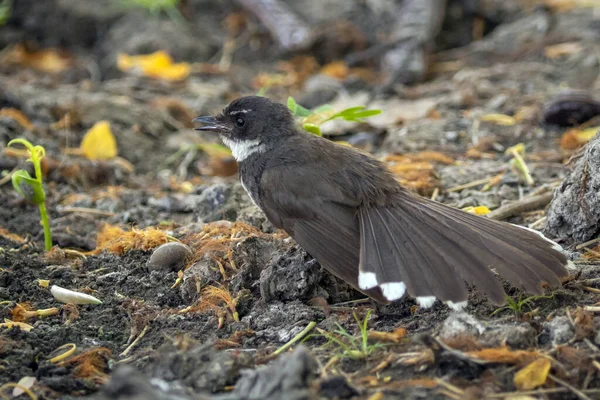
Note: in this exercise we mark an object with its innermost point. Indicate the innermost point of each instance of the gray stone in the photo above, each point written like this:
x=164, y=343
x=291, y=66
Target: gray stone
x=559, y=330
x=574, y=212
x=459, y=324
x=289, y=378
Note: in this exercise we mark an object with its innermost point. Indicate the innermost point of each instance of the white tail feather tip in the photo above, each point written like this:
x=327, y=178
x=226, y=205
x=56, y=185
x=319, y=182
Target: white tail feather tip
x=367, y=280
x=393, y=290
x=425, y=301
x=459, y=306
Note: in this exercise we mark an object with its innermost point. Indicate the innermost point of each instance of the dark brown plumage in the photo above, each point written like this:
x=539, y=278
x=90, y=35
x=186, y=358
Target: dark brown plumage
x=346, y=210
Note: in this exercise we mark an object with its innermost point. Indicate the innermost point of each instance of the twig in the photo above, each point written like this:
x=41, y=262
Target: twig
x=573, y=389
x=585, y=244
x=526, y=204
x=468, y=185
x=137, y=339
x=435, y=193
x=591, y=308
x=591, y=289
x=296, y=338
x=86, y=211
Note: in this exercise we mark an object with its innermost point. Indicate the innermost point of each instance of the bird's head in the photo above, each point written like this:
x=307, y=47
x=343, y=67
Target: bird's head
x=250, y=124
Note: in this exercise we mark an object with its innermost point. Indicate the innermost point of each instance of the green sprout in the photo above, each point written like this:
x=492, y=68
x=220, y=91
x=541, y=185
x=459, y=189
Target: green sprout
x=312, y=120
x=5, y=11
x=31, y=188
x=517, y=305
x=518, y=164
x=354, y=347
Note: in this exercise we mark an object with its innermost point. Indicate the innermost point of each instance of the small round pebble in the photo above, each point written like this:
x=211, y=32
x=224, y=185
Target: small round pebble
x=170, y=256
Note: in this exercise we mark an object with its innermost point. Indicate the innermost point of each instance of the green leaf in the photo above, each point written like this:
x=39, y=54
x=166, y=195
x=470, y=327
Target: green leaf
x=28, y=187
x=292, y=105
x=312, y=128
x=297, y=109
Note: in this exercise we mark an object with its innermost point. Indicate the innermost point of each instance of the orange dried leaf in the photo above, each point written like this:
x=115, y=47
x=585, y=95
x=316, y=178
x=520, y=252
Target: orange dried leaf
x=533, y=375
x=156, y=65
x=99, y=143
x=17, y=116
x=47, y=60
x=575, y=138
x=116, y=240
x=336, y=69
x=11, y=236
x=391, y=337
x=504, y=355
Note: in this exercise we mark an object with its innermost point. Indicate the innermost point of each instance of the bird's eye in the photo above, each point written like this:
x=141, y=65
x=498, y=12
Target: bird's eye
x=239, y=122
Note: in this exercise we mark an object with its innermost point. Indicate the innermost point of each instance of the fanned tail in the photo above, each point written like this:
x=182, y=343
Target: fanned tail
x=430, y=250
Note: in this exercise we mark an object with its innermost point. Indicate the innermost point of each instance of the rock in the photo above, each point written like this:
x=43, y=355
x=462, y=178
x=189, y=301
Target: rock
x=491, y=334
x=290, y=378
x=221, y=201
x=293, y=275
x=136, y=33
x=278, y=322
x=170, y=256
x=558, y=331
x=200, y=367
x=519, y=336
x=460, y=324
x=574, y=212
x=571, y=108
x=128, y=384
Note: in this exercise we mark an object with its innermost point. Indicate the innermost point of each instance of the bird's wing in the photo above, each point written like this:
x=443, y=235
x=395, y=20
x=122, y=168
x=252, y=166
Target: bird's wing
x=318, y=215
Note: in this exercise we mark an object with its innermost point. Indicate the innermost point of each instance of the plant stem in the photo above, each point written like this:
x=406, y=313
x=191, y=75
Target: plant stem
x=296, y=338
x=46, y=225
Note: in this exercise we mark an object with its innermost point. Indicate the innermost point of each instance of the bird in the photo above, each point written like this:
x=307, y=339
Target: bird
x=345, y=209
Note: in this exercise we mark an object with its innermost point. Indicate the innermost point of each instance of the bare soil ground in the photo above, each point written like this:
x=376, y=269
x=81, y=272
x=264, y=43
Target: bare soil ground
x=208, y=324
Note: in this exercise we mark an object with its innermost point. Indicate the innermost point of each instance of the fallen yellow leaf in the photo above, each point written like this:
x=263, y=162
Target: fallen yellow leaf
x=99, y=143
x=574, y=138
x=479, y=210
x=156, y=65
x=533, y=375
x=10, y=324
x=499, y=119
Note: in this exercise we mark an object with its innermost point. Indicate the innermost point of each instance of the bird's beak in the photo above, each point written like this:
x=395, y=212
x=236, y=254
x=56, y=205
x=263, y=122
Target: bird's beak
x=210, y=124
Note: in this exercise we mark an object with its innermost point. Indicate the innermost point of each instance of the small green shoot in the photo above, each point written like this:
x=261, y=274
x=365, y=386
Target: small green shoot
x=31, y=188
x=518, y=162
x=350, y=346
x=517, y=305
x=312, y=120
x=5, y=11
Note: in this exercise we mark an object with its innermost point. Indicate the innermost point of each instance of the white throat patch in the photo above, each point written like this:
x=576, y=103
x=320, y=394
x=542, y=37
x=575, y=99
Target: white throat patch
x=244, y=148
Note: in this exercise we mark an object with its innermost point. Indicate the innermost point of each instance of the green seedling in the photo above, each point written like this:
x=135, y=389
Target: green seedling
x=5, y=11
x=518, y=163
x=31, y=188
x=351, y=346
x=518, y=305
x=311, y=120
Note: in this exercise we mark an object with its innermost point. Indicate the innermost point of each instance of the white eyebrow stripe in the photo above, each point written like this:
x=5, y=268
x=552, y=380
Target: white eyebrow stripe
x=239, y=112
